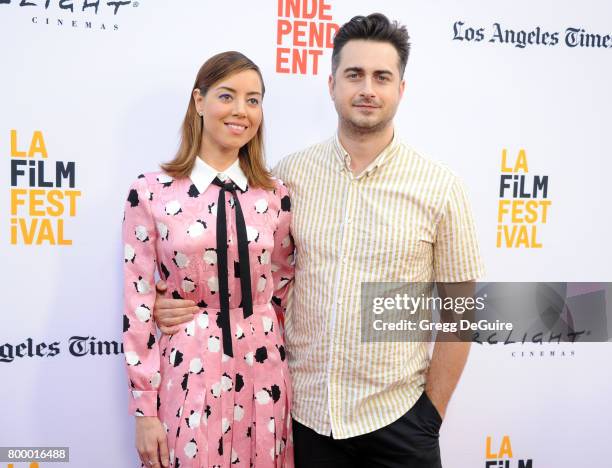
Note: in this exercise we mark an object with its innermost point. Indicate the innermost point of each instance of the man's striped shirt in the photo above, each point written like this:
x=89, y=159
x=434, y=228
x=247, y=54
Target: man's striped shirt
x=403, y=219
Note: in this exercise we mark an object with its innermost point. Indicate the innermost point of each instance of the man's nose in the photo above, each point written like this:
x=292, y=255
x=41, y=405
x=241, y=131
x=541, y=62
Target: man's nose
x=367, y=90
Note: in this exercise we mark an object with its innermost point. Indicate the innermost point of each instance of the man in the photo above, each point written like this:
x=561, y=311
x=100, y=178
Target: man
x=367, y=208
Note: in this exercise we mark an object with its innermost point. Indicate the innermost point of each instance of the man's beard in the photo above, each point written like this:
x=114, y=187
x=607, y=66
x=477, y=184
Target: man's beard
x=358, y=128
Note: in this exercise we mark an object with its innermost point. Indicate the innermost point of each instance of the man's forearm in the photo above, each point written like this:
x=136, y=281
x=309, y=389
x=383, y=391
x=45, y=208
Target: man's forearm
x=450, y=352
x=447, y=363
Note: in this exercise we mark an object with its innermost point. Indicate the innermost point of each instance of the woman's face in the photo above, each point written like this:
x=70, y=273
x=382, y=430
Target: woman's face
x=232, y=110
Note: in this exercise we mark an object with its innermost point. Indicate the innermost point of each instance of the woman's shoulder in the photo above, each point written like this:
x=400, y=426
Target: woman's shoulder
x=280, y=189
x=279, y=196
x=153, y=182
x=153, y=179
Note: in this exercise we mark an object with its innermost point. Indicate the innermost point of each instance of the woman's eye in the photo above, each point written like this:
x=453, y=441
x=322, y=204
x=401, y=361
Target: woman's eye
x=225, y=97
x=253, y=101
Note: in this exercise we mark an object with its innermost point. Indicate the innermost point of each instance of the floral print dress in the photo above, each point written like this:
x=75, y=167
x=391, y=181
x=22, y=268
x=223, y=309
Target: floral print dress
x=217, y=410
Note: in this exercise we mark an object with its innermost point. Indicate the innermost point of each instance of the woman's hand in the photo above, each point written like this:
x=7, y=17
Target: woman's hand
x=151, y=442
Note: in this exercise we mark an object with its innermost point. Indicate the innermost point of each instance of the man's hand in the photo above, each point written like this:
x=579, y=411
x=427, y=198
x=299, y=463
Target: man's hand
x=169, y=314
x=450, y=353
x=445, y=370
x=151, y=442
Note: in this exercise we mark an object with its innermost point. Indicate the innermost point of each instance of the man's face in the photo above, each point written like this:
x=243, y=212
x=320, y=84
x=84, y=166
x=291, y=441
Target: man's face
x=366, y=88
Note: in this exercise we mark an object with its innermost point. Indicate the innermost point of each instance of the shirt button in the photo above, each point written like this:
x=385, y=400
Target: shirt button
x=339, y=301
x=348, y=220
x=344, y=260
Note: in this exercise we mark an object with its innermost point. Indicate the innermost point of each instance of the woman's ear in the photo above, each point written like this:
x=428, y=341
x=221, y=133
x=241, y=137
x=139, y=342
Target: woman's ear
x=197, y=100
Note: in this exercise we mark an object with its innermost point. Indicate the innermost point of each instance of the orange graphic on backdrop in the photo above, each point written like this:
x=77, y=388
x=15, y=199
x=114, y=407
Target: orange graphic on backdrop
x=304, y=30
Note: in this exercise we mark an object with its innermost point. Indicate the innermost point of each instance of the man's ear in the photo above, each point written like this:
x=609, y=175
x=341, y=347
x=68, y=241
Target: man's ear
x=330, y=84
x=402, y=88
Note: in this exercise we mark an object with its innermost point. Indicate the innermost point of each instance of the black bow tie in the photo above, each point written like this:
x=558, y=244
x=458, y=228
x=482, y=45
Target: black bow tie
x=222, y=268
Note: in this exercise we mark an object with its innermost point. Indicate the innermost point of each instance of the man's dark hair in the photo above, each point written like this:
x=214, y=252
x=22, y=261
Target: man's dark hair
x=374, y=27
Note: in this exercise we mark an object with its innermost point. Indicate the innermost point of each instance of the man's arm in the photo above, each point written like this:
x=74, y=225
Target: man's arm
x=169, y=314
x=449, y=354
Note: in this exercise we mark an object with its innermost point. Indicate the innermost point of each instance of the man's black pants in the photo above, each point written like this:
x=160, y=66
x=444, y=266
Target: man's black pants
x=409, y=442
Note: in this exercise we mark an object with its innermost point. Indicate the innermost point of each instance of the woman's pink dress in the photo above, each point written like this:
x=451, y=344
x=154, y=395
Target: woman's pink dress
x=218, y=411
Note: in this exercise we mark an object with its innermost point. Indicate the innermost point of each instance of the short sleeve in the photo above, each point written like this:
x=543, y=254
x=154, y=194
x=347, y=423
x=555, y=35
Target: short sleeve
x=456, y=253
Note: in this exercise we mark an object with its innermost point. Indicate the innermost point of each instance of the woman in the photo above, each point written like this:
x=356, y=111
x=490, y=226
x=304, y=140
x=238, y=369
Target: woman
x=215, y=226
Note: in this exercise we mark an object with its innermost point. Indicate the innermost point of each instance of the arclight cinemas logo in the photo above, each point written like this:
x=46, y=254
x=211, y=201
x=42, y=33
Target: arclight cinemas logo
x=76, y=14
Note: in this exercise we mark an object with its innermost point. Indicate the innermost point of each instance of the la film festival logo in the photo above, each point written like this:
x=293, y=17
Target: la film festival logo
x=503, y=456
x=304, y=30
x=75, y=14
x=43, y=194
x=523, y=203
x=572, y=37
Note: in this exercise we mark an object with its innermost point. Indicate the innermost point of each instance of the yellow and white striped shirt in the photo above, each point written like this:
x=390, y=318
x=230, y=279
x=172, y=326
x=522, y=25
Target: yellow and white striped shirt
x=405, y=218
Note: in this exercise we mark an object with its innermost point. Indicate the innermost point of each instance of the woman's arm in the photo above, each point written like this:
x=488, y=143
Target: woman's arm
x=283, y=255
x=139, y=335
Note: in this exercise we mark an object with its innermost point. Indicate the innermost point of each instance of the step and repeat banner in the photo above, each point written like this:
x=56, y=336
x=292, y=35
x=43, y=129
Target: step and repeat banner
x=514, y=96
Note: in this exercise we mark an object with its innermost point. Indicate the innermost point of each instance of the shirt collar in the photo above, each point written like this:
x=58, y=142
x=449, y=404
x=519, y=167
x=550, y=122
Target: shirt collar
x=203, y=174
x=343, y=157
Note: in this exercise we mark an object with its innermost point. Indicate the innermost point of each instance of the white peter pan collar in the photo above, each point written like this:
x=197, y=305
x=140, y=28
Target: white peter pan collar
x=203, y=174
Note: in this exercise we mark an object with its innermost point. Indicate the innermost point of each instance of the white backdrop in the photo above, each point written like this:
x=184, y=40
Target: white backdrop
x=111, y=100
